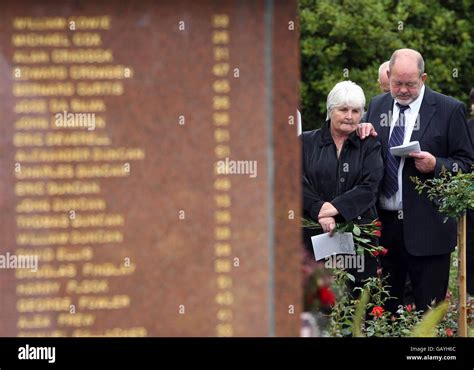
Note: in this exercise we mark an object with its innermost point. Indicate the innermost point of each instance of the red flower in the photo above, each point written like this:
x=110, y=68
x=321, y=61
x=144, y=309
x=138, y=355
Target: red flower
x=377, y=233
x=381, y=252
x=377, y=223
x=449, y=332
x=409, y=308
x=327, y=297
x=377, y=311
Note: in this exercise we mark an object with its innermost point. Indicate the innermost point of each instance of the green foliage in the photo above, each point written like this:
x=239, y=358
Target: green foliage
x=427, y=327
x=349, y=316
x=453, y=193
x=360, y=313
x=340, y=323
x=349, y=39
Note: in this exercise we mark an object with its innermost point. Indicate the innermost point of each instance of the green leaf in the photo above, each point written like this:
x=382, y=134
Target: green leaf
x=359, y=315
x=356, y=230
x=361, y=240
x=427, y=326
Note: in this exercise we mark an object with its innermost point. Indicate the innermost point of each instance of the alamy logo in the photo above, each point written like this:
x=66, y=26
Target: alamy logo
x=386, y=119
x=37, y=353
x=12, y=261
x=345, y=261
x=66, y=119
x=233, y=167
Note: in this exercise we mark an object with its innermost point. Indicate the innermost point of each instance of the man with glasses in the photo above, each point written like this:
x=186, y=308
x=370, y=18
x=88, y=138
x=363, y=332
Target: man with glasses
x=419, y=243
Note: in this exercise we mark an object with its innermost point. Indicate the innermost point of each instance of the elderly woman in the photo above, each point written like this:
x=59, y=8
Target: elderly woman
x=341, y=173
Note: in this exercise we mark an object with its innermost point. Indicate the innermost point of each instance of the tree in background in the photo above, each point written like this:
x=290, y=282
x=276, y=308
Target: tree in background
x=349, y=39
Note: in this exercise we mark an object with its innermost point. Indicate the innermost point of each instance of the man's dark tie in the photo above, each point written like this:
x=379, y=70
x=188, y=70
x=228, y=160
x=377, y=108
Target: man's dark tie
x=390, y=183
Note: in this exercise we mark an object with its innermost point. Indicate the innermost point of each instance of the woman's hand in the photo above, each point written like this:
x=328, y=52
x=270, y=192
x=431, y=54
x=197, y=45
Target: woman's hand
x=327, y=210
x=328, y=224
x=365, y=129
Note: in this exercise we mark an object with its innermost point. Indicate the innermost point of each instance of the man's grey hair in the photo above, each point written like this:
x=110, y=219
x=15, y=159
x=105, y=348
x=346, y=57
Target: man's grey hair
x=345, y=93
x=419, y=59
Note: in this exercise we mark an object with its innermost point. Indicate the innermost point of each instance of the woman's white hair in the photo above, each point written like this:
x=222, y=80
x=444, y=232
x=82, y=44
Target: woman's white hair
x=345, y=93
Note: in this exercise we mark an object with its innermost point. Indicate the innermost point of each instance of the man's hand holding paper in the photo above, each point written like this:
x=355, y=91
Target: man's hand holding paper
x=404, y=150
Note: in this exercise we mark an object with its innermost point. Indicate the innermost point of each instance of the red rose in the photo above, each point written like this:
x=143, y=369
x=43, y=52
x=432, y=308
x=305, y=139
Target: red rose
x=377, y=223
x=449, y=332
x=409, y=308
x=384, y=252
x=327, y=297
x=375, y=253
x=377, y=311
x=377, y=233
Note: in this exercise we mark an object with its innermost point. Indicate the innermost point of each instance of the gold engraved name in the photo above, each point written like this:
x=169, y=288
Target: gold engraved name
x=43, y=89
x=53, y=333
x=60, y=171
x=43, y=304
x=114, y=332
x=39, y=23
x=109, y=72
x=98, y=220
x=107, y=269
x=44, y=254
x=38, y=287
x=31, y=106
x=53, y=155
x=40, y=40
x=99, y=88
x=33, y=322
x=87, y=286
x=48, y=272
x=33, y=205
x=74, y=254
x=40, y=73
x=76, y=320
x=75, y=237
x=30, y=57
x=31, y=123
x=42, y=222
x=102, y=22
x=101, y=170
x=114, y=302
x=78, y=154
x=23, y=188
x=76, y=138
x=78, y=204
x=75, y=187
x=82, y=56
x=28, y=205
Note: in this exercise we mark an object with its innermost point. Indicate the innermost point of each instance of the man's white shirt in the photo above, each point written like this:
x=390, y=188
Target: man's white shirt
x=395, y=203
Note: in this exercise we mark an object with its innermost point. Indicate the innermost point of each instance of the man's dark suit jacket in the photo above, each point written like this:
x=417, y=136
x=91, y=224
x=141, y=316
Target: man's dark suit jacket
x=442, y=131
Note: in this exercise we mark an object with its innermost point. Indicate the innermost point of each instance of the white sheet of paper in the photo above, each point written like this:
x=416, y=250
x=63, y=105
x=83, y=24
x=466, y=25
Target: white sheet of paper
x=325, y=245
x=403, y=150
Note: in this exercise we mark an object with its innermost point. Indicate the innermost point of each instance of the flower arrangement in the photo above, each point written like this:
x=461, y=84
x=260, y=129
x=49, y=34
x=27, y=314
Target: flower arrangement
x=326, y=293
x=367, y=317
x=363, y=234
